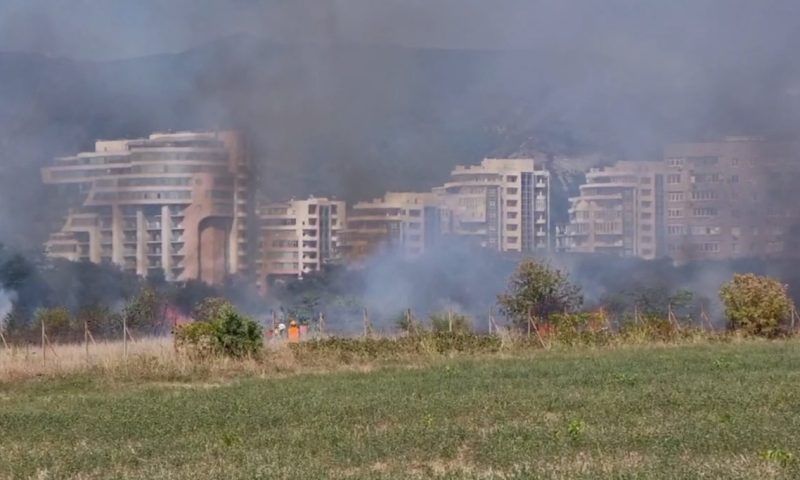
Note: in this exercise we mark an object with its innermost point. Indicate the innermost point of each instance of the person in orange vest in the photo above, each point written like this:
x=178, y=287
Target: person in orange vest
x=294, y=332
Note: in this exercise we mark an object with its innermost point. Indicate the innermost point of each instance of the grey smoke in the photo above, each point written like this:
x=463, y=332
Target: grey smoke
x=6, y=304
x=353, y=98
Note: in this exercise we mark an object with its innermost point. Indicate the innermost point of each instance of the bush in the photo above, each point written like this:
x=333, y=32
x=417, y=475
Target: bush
x=441, y=322
x=223, y=332
x=537, y=291
x=756, y=304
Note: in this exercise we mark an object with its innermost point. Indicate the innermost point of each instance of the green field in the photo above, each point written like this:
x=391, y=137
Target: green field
x=717, y=411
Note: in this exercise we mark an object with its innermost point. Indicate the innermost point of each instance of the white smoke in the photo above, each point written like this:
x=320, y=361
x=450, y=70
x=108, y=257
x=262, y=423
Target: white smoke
x=6, y=304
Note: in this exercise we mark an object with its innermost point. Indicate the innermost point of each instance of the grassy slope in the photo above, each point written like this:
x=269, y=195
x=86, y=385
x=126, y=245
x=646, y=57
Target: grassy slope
x=635, y=412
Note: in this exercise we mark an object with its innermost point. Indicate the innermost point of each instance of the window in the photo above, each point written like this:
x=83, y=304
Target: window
x=511, y=178
x=646, y=192
x=512, y=191
x=674, y=212
x=511, y=215
x=647, y=204
x=734, y=178
x=710, y=247
x=675, y=162
x=676, y=230
x=646, y=215
x=511, y=203
x=675, y=196
x=512, y=227
x=512, y=239
x=674, y=178
x=704, y=212
x=704, y=195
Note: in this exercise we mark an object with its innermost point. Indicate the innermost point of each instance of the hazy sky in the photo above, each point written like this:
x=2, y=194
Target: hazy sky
x=105, y=29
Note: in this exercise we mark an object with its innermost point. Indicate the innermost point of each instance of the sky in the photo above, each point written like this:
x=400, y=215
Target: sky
x=113, y=29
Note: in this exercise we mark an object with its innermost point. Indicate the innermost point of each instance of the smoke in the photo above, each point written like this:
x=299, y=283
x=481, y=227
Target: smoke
x=6, y=305
x=355, y=98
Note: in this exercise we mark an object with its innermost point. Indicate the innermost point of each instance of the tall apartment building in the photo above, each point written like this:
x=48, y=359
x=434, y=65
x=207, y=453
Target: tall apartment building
x=620, y=211
x=504, y=204
x=173, y=202
x=299, y=236
x=409, y=222
x=730, y=199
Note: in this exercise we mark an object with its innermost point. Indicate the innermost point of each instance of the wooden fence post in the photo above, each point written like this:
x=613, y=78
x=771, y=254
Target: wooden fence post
x=450, y=320
x=44, y=351
x=124, y=337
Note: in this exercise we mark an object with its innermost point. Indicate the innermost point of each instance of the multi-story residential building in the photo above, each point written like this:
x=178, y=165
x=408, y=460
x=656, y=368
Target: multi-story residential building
x=620, y=211
x=409, y=222
x=730, y=199
x=175, y=203
x=504, y=204
x=299, y=236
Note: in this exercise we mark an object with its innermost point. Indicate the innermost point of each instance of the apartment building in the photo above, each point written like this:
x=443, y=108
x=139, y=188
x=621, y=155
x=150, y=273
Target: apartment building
x=503, y=204
x=732, y=198
x=408, y=222
x=175, y=203
x=620, y=211
x=299, y=236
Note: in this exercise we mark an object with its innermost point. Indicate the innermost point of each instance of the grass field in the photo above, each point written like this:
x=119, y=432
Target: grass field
x=716, y=411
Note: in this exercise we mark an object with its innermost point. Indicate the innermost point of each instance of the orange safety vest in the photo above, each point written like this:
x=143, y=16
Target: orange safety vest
x=294, y=333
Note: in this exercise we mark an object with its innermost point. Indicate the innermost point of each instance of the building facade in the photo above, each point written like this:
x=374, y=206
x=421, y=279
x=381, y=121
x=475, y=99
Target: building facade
x=733, y=198
x=503, y=204
x=620, y=211
x=299, y=236
x=404, y=221
x=172, y=203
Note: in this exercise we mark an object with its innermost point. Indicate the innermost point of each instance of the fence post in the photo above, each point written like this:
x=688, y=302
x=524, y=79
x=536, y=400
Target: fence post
x=450, y=320
x=124, y=337
x=367, y=327
x=86, y=338
x=44, y=350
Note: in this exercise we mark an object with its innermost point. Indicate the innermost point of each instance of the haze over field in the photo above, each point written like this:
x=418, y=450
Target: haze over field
x=354, y=98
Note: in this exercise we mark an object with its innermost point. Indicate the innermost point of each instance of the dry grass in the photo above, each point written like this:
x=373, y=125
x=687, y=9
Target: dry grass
x=19, y=362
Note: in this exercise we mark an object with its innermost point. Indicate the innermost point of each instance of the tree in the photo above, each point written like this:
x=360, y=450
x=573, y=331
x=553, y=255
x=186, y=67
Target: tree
x=538, y=290
x=756, y=304
x=146, y=311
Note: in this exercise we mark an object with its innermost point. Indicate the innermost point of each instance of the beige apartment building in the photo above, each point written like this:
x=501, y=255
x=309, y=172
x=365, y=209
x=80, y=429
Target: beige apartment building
x=620, y=211
x=175, y=203
x=408, y=222
x=733, y=198
x=503, y=204
x=298, y=237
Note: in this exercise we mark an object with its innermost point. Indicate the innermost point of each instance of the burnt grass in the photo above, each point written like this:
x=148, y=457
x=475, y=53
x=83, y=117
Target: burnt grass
x=727, y=410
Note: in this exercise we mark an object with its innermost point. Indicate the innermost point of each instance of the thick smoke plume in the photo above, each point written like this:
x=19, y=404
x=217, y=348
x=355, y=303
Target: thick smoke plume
x=353, y=98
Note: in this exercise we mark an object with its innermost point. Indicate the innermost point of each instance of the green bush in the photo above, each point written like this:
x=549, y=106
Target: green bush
x=223, y=332
x=442, y=322
x=756, y=304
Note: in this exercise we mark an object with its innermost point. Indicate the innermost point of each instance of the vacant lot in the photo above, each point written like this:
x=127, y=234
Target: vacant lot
x=718, y=411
